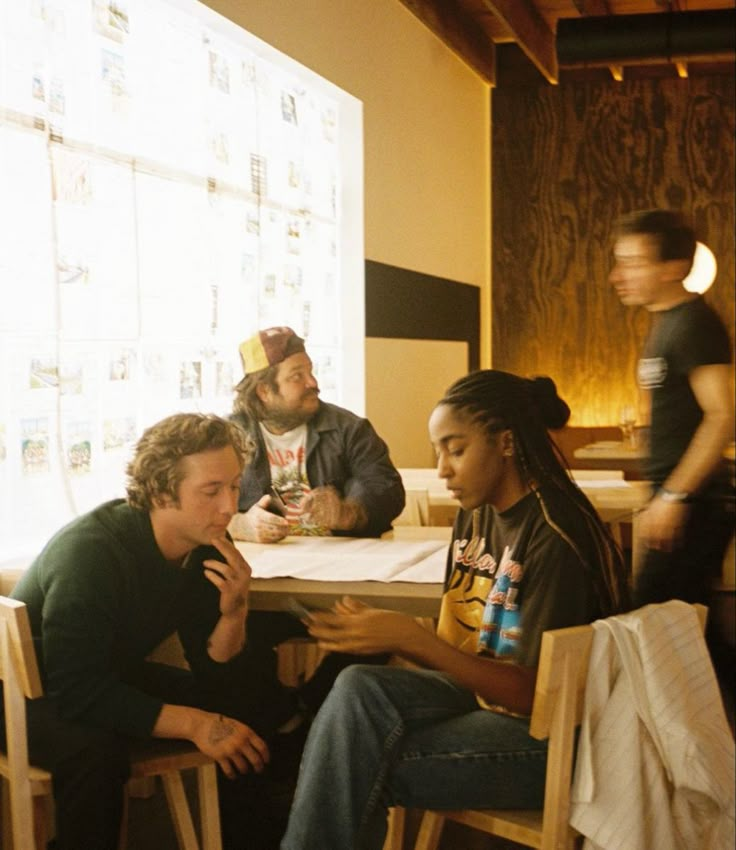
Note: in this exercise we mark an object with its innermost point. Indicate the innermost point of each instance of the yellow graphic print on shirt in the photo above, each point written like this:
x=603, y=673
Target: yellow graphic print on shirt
x=480, y=612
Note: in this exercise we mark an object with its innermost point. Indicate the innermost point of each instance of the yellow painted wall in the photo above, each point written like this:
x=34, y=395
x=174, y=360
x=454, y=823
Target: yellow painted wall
x=409, y=376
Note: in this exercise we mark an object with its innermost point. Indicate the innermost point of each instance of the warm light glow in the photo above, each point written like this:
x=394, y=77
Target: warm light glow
x=703, y=272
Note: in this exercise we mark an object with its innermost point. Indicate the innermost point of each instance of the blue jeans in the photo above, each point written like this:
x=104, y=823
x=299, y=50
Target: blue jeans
x=390, y=736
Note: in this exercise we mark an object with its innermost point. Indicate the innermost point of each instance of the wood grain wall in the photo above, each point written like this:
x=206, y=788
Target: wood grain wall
x=567, y=161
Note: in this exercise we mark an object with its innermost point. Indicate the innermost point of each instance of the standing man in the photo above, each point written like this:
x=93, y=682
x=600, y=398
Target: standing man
x=105, y=591
x=328, y=466
x=686, y=366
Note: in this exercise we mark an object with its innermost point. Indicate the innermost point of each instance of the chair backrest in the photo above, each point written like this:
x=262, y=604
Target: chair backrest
x=21, y=679
x=557, y=712
x=21, y=663
x=416, y=509
x=562, y=676
x=573, y=437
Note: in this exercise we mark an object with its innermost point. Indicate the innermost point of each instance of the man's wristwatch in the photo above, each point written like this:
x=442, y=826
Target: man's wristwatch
x=673, y=496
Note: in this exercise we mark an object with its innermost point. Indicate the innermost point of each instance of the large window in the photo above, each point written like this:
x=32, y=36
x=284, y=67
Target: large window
x=168, y=184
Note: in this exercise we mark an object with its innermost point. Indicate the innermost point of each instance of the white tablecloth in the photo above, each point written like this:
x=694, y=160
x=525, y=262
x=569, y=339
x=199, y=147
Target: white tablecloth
x=348, y=559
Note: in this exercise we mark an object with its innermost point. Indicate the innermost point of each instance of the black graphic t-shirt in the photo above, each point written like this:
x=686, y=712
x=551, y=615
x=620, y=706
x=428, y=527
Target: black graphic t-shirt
x=683, y=338
x=513, y=575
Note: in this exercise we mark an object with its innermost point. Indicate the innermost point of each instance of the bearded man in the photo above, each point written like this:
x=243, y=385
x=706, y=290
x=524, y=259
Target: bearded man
x=318, y=469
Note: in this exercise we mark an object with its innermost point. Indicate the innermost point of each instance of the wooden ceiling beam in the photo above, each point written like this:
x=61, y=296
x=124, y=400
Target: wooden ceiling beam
x=592, y=7
x=530, y=29
x=460, y=32
x=597, y=8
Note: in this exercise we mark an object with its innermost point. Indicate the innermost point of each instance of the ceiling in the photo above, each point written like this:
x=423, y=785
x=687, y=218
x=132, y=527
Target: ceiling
x=619, y=35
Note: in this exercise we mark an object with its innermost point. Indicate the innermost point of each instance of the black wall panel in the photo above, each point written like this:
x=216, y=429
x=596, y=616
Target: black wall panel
x=404, y=304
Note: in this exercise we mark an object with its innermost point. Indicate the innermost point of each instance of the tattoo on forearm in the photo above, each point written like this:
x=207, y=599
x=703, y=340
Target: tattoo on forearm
x=221, y=730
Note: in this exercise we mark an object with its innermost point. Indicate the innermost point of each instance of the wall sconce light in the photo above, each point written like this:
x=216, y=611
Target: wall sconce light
x=703, y=272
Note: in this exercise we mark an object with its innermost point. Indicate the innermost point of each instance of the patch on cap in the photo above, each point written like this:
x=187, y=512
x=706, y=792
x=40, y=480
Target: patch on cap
x=269, y=347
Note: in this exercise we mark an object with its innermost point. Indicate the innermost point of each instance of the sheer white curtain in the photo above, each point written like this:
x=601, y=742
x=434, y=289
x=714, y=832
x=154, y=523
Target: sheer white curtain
x=168, y=184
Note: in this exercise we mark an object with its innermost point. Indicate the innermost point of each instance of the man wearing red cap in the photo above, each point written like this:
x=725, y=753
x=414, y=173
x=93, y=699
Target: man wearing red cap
x=318, y=468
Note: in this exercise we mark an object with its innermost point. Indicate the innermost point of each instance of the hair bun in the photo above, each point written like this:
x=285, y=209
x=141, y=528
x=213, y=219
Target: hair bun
x=553, y=410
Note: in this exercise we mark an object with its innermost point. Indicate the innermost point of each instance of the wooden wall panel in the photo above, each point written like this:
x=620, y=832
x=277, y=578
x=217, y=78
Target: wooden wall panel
x=567, y=161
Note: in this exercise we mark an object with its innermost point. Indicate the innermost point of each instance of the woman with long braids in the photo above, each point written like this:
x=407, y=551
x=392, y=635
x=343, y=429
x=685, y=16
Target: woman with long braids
x=528, y=554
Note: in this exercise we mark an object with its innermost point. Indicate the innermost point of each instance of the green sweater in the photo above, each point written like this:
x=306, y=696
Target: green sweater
x=100, y=598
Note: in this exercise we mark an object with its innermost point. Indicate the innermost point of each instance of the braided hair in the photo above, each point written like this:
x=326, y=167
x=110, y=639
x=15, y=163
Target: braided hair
x=500, y=401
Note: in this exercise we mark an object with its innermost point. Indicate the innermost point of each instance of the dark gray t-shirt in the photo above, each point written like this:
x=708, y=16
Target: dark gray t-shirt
x=682, y=339
x=513, y=575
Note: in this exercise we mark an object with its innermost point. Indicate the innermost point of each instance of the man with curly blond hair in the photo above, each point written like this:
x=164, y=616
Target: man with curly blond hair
x=106, y=591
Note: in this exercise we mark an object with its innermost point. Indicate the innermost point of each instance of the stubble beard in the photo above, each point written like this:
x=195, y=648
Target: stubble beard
x=278, y=420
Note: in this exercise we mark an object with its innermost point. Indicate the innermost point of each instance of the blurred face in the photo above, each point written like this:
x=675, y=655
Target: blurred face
x=207, y=501
x=297, y=398
x=641, y=279
x=472, y=462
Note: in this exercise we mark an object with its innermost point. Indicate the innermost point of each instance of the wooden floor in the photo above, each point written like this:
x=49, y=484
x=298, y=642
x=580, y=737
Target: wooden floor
x=150, y=829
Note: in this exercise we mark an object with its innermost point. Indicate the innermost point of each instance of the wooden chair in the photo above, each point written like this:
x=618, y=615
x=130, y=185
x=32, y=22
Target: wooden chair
x=557, y=711
x=30, y=787
x=298, y=658
x=416, y=509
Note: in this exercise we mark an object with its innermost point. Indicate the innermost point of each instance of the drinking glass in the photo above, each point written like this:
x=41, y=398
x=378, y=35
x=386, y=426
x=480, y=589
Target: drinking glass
x=627, y=421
